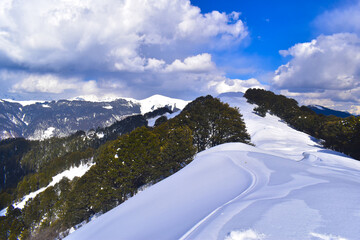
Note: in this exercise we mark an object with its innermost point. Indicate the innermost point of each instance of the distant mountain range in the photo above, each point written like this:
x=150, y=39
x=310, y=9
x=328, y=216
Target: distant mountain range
x=41, y=120
x=327, y=111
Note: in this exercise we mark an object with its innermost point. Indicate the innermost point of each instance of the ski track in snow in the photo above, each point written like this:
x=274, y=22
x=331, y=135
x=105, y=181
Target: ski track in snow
x=287, y=187
x=254, y=182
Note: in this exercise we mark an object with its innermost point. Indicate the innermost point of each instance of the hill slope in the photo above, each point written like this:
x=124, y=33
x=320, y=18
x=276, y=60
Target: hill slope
x=287, y=187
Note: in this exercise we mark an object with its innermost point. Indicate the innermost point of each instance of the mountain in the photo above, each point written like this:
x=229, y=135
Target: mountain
x=327, y=111
x=41, y=120
x=285, y=187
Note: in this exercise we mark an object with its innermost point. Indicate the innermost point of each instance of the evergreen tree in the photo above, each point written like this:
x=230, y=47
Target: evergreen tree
x=213, y=122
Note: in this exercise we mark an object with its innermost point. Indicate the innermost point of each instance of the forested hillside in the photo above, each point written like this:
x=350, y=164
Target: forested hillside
x=122, y=166
x=26, y=166
x=339, y=134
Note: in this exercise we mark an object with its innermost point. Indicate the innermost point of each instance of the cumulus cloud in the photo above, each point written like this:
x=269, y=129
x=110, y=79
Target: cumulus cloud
x=147, y=43
x=198, y=63
x=329, y=62
x=44, y=84
x=110, y=34
x=326, y=68
x=53, y=85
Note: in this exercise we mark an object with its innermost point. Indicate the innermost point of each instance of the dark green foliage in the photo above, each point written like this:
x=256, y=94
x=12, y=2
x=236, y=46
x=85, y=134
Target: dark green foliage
x=157, y=112
x=117, y=129
x=213, y=123
x=78, y=203
x=5, y=199
x=340, y=134
x=43, y=177
x=12, y=224
x=278, y=105
x=123, y=166
x=11, y=153
x=261, y=110
x=40, y=160
x=160, y=121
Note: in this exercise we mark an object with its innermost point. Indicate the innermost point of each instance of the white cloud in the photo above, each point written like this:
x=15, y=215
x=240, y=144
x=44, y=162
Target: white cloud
x=326, y=236
x=155, y=64
x=142, y=46
x=53, y=84
x=234, y=85
x=329, y=62
x=342, y=19
x=198, y=63
x=43, y=84
x=325, y=68
x=109, y=34
x=355, y=109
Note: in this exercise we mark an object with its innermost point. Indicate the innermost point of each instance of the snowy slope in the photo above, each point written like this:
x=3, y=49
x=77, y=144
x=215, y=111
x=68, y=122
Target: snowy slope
x=157, y=101
x=286, y=187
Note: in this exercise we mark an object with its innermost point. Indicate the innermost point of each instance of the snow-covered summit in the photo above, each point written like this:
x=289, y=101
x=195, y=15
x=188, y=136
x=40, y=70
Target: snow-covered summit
x=95, y=98
x=286, y=187
x=317, y=107
x=24, y=103
x=157, y=101
x=328, y=111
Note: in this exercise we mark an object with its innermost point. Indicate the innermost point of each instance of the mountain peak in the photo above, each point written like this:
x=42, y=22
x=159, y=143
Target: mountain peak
x=156, y=101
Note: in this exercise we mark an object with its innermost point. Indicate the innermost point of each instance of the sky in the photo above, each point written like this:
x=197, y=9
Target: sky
x=56, y=49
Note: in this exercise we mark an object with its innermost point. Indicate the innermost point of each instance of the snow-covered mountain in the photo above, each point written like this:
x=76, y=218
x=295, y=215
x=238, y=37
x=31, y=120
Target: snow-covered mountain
x=284, y=187
x=327, y=111
x=41, y=119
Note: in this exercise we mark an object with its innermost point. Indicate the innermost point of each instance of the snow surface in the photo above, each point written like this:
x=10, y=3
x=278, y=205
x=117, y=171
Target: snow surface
x=158, y=101
x=108, y=107
x=49, y=132
x=318, y=107
x=25, y=103
x=70, y=174
x=95, y=98
x=287, y=187
x=151, y=121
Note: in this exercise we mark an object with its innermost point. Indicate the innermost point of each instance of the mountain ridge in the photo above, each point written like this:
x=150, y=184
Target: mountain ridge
x=38, y=120
x=328, y=111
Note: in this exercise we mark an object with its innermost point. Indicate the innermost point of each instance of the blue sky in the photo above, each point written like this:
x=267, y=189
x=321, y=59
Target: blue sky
x=308, y=50
x=273, y=26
